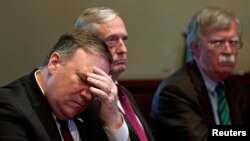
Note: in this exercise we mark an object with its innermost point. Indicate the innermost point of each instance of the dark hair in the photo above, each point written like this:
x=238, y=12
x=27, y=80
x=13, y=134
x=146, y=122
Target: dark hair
x=78, y=38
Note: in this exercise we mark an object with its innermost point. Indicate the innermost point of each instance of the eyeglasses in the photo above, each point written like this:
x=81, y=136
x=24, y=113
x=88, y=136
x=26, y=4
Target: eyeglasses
x=113, y=40
x=221, y=44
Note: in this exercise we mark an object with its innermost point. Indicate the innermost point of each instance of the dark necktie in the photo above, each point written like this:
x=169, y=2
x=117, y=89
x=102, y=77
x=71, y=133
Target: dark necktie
x=130, y=114
x=65, y=131
x=223, y=109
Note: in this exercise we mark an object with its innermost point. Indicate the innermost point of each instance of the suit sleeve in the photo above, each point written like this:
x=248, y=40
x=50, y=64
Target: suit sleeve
x=11, y=126
x=176, y=116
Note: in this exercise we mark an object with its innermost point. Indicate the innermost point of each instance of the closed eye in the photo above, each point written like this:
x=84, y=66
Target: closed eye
x=82, y=78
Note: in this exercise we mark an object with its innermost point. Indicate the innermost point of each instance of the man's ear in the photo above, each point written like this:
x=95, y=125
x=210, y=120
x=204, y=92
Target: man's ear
x=54, y=62
x=195, y=49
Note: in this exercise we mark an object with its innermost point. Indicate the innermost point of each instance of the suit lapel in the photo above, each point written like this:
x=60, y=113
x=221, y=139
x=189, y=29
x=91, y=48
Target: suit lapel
x=47, y=119
x=234, y=101
x=80, y=123
x=89, y=125
x=202, y=96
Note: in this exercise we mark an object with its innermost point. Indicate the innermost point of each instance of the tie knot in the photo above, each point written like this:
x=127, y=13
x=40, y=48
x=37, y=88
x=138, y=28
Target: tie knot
x=65, y=132
x=220, y=87
x=221, y=91
x=62, y=122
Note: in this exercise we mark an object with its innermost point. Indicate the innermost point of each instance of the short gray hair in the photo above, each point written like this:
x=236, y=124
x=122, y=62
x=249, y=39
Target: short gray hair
x=213, y=18
x=95, y=15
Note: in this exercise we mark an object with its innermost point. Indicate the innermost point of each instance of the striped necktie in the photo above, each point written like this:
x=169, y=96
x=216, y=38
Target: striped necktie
x=130, y=114
x=223, y=109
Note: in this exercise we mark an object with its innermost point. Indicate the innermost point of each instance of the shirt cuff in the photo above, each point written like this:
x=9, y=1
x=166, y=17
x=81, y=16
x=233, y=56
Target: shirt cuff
x=120, y=134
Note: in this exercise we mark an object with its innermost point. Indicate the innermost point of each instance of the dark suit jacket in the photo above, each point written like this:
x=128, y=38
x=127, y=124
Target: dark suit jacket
x=181, y=108
x=145, y=125
x=26, y=115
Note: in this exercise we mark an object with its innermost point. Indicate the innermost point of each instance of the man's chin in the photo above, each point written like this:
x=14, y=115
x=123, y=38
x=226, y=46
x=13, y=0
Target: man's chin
x=226, y=72
x=118, y=70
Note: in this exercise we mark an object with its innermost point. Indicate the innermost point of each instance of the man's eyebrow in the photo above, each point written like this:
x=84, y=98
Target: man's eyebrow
x=235, y=38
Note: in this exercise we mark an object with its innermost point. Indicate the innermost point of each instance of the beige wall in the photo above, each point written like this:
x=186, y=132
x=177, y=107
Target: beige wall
x=28, y=28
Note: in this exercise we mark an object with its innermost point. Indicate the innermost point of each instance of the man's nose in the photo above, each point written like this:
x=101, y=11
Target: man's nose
x=122, y=46
x=86, y=94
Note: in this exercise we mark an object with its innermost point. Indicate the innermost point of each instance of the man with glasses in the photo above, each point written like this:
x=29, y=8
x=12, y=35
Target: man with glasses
x=106, y=24
x=202, y=93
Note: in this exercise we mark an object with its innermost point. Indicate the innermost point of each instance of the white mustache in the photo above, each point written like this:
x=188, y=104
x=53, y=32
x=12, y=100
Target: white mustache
x=226, y=59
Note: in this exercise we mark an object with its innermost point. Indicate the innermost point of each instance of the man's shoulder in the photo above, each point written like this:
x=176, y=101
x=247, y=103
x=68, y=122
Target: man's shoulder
x=183, y=80
x=16, y=91
x=12, y=88
x=179, y=77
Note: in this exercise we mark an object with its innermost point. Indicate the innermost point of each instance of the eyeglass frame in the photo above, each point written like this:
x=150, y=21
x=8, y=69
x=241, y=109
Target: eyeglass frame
x=221, y=44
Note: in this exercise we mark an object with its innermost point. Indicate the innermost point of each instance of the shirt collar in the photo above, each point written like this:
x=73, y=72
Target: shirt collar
x=36, y=72
x=210, y=84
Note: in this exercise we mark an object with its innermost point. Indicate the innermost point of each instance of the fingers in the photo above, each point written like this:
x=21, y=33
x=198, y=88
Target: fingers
x=101, y=82
x=99, y=71
x=104, y=87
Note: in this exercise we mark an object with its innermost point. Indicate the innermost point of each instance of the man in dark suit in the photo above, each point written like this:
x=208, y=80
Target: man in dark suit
x=187, y=102
x=75, y=71
x=109, y=26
